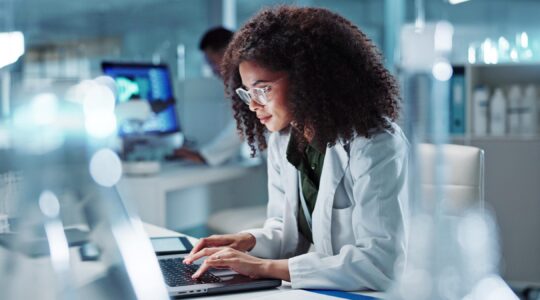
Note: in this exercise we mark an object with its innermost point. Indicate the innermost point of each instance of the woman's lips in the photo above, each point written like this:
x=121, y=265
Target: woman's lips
x=264, y=119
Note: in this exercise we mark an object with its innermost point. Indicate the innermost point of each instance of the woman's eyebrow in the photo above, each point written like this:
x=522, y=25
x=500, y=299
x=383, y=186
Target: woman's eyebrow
x=255, y=83
x=260, y=81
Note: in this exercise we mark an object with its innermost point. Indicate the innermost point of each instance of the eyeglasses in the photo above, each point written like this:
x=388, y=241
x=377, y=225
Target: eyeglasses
x=255, y=94
x=259, y=95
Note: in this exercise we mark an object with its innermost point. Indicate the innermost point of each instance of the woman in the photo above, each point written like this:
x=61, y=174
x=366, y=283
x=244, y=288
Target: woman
x=337, y=164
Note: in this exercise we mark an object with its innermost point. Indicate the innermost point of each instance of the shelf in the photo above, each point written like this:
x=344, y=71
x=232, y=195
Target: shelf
x=509, y=138
x=505, y=65
x=498, y=76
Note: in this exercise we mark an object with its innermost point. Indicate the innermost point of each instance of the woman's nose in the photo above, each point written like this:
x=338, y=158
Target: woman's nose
x=254, y=105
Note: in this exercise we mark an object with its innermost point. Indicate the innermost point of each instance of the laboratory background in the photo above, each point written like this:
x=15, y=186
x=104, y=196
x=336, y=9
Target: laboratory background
x=73, y=139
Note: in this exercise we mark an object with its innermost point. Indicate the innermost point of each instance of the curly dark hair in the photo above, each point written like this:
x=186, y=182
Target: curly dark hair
x=338, y=86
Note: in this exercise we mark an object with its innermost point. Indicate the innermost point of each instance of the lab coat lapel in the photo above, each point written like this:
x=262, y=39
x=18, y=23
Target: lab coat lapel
x=291, y=192
x=290, y=182
x=335, y=162
x=291, y=175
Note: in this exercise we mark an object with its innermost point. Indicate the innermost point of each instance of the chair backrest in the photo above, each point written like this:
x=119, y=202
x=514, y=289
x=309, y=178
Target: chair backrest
x=462, y=183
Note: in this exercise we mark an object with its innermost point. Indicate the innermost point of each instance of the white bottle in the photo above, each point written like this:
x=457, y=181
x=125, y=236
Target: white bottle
x=514, y=109
x=497, y=112
x=480, y=110
x=529, y=115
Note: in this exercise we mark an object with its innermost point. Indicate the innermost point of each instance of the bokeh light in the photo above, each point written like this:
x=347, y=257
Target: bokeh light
x=442, y=71
x=106, y=167
x=49, y=204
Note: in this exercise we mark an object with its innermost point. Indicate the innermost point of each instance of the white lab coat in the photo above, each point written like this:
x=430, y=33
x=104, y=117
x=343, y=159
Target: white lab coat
x=359, y=218
x=223, y=147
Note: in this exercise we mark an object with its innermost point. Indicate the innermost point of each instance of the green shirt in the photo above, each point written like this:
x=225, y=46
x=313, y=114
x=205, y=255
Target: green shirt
x=310, y=163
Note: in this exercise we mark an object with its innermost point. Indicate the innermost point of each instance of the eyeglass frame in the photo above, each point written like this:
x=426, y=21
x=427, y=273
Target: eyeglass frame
x=261, y=98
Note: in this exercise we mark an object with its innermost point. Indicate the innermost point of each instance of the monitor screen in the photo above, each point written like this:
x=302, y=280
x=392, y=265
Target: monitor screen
x=147, y=82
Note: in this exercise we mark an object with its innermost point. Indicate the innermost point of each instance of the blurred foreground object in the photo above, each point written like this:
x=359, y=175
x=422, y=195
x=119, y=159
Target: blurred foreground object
x=12, y=47
x=453, y=249
x=66, y=199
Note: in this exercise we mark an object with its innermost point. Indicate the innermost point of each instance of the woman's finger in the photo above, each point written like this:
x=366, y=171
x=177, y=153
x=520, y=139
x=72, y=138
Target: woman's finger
x=200, y=245
x=204, y=252
x=203, y=243
x=203, y=268
x=213, y=261
x=211, y=241
x=218, y=263
x=223, y=258
x=222, y=262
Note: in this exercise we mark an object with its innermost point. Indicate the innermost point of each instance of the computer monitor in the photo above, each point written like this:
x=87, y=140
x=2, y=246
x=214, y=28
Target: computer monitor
x=149, y=82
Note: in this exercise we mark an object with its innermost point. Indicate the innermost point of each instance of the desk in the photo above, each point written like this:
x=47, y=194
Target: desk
x=277, y=293
x=149, y=193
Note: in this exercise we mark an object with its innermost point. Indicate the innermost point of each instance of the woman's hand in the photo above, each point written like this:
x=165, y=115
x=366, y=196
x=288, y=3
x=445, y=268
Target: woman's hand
x=189, y=154
x=238, y=261
x=207, y=246
x=244, y=264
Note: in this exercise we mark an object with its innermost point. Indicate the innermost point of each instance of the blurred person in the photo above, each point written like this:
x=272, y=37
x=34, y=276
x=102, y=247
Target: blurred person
x=213, y=44
x=337, y=162
x=228, y=142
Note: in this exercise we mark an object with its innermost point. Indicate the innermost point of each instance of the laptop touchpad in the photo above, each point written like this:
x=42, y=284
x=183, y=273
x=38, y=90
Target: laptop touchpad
x=222, y=272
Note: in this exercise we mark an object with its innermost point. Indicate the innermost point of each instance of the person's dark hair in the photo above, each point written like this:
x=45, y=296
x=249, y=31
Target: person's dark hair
x=338, y=86
x=216, y=38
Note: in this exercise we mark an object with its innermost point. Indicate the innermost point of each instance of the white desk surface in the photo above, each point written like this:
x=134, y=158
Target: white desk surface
x=283, y=292
x=149, y=193
x=178, y=176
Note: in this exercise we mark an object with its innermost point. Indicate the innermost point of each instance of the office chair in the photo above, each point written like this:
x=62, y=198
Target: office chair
x=462, y=182
x=462, y=187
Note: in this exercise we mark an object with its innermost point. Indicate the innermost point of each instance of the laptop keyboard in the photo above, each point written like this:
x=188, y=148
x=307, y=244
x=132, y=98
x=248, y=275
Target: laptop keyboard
x=177, y=273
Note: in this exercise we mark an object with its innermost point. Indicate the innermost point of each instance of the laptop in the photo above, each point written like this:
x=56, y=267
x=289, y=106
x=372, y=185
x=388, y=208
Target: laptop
x=171, y=251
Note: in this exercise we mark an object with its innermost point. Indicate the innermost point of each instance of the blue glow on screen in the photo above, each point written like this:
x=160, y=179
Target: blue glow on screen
x=151, y=83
